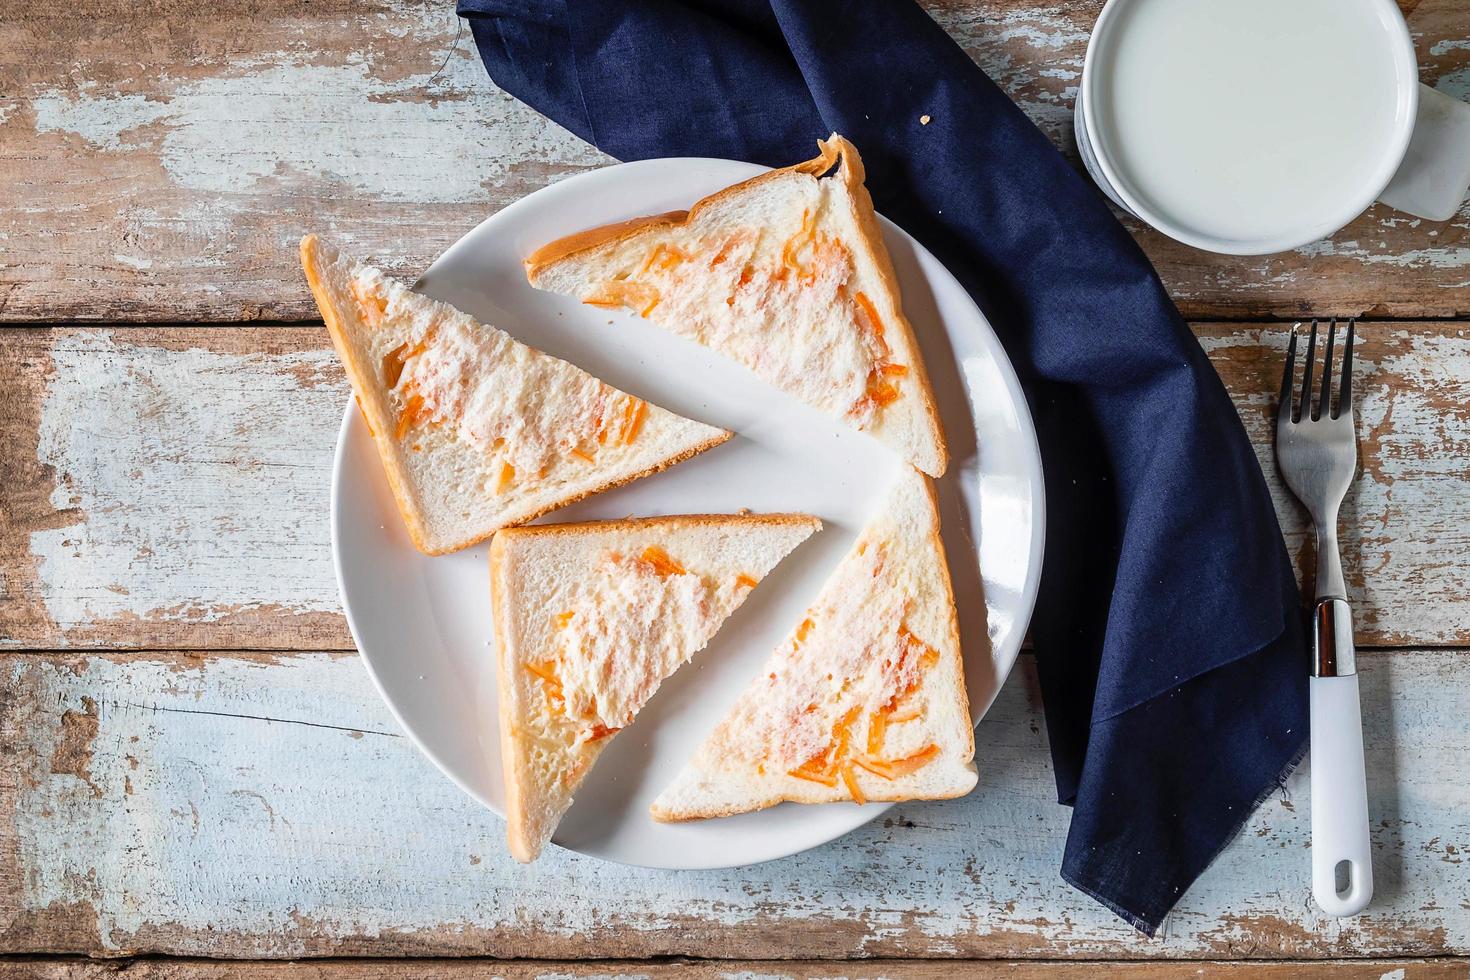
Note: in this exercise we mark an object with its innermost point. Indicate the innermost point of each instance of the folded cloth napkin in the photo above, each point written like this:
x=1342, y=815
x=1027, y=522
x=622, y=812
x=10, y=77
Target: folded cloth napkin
x=1168, y=636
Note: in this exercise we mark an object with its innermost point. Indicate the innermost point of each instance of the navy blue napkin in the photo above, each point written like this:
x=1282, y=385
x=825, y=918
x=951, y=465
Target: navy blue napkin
x=1168, y=636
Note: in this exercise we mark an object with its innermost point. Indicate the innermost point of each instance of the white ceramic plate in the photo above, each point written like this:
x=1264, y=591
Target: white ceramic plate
x=423, y=624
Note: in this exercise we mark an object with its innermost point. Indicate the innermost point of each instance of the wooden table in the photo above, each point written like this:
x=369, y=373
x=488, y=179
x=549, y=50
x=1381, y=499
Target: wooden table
x=195, y=765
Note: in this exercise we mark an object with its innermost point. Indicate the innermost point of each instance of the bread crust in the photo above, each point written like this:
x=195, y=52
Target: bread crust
x=803, y=796
x=371, y=399
x=634, y=523
x=835, y=151
x=936, y=542
x=519, y=842
x=852, y=173
x=580, y=241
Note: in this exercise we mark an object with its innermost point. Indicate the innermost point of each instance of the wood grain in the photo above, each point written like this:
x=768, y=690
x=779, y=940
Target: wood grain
x=168, y=487
x=186, y=969
x=156, y=165
x=264, y=805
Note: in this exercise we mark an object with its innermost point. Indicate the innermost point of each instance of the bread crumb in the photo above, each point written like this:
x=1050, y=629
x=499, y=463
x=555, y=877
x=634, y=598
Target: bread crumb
x=924, y=120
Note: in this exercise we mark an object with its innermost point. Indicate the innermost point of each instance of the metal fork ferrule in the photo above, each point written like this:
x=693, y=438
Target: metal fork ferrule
x=1332, y=639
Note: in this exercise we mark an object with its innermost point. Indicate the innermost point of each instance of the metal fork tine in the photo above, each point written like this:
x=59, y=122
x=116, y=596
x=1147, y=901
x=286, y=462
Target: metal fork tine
x=1283, y=403
x=1345, y=393
x=1304, y=410
x=1324, y=402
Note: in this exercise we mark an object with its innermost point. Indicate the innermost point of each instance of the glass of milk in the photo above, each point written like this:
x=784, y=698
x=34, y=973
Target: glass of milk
x=1255, y=126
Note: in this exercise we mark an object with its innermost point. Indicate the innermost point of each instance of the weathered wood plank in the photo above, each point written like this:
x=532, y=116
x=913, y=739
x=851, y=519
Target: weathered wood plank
x=265, y=806
x=167, y=487
x=1407, y=515
x=158, y=165
x=467, y=969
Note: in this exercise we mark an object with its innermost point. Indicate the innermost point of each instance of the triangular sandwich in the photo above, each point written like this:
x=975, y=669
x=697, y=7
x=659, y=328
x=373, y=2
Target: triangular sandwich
x=866, y=698
x=590, y=619
x=477, y=431
x=786, y=273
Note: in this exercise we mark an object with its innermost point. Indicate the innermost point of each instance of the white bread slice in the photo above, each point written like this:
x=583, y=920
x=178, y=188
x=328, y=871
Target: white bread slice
x=476, y=431
x=866, y=698
x=786, y=273
x=590, y=619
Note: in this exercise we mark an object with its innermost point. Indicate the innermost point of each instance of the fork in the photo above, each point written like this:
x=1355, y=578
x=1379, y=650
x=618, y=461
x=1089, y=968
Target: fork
x=1317, y=453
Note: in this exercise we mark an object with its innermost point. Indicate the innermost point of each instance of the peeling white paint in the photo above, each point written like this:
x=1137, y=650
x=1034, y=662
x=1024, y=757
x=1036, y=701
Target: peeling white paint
x=1408, y=511
x=1042, y=29
x=1012, y=49
x=133, y=261
x=103, y=122
x=335, y=124
x=292, y=837
x=1448, y=45
x=1433, y=258
x=201, y=479
x=1455, y=83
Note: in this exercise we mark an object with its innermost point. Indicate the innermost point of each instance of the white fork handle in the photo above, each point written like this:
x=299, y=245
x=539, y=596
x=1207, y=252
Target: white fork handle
x=1339, y=797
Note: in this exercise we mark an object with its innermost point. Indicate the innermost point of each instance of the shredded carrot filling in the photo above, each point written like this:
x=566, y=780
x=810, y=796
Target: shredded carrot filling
x=372, y=305
x=563, y=618
x=724, y=251
x=551, y=684
x=838, y=759
x=746, y=580
x=873, y=324
x=874, y=766
x=393, y=362
x=662, y=564
x=850, y=781
x=601, y=422
x=414, y=411
x=637, y=296
x=797, y=242
x=544, y=671
x=663, y=256
x=915, y=762
x=928, y=655
x=841, y=733
x=507, y=474
x=814, y=777
x=877, y=728
x=581, y=455
x=880, y=391
x=635, y=423
x=601, y=731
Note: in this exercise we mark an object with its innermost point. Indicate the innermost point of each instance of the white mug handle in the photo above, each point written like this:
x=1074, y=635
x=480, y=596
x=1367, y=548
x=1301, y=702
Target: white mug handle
x=1435, y=172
